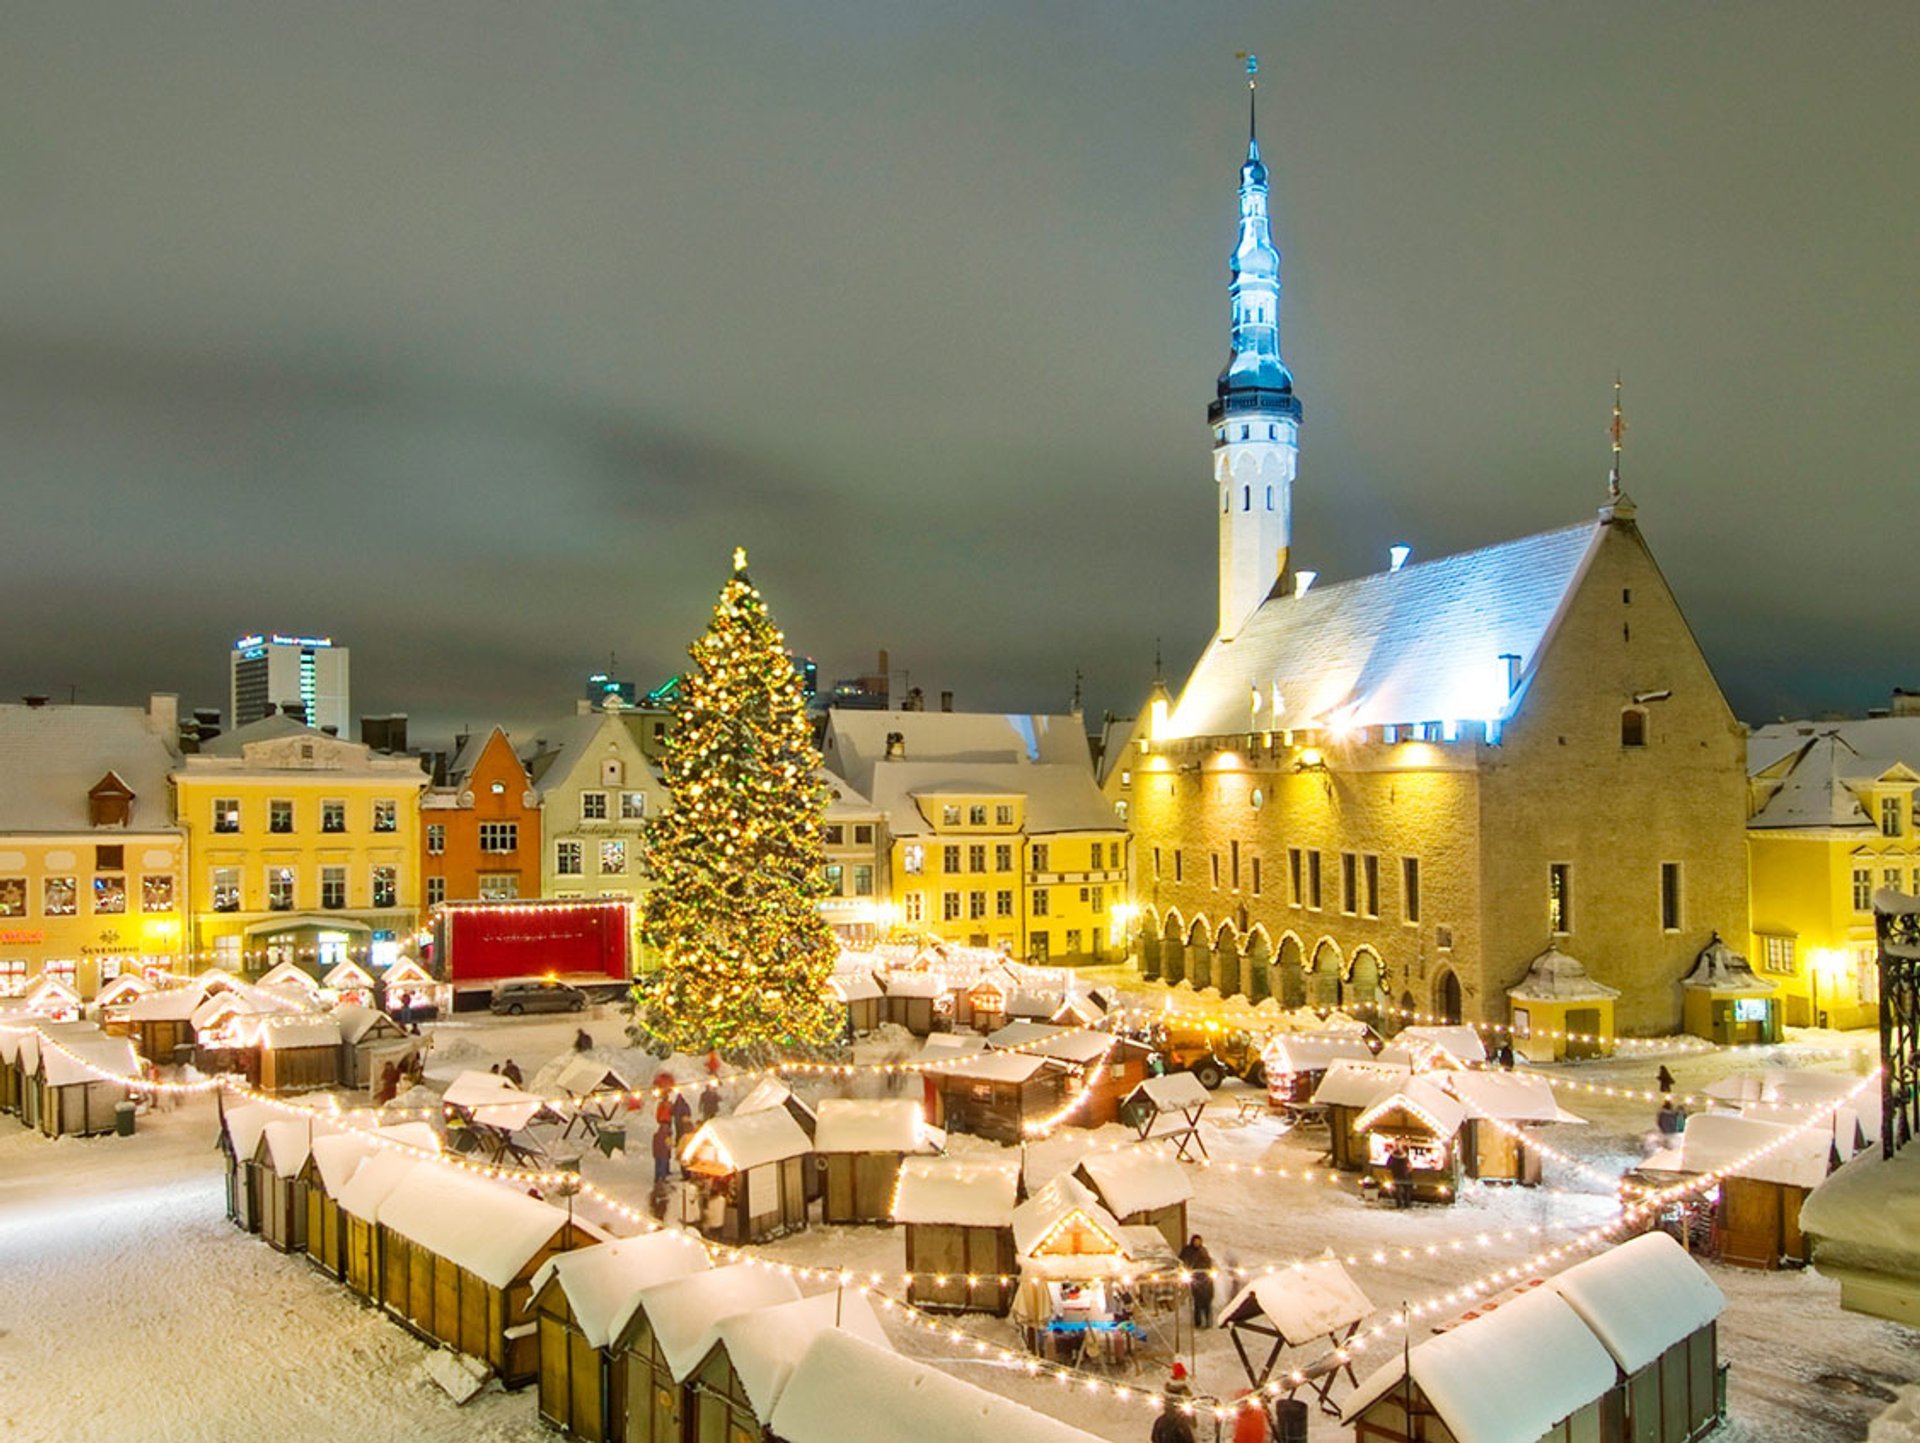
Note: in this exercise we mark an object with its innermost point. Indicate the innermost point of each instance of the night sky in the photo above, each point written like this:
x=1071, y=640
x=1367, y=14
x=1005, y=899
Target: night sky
x=478, y=335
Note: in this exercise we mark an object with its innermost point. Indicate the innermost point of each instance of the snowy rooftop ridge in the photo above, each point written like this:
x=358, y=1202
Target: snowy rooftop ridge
x=686, y=1312
x=885, y=1125
x=489, y=1230
x=766, y=1344
x=603, y=1283
x=1641, y=1297
x=1138, y=1178
x=973, y=1191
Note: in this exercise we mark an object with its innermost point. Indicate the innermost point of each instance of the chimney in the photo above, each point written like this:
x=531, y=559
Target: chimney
x=1905, y=703
x=163, y=716
x=946, y=701
x=295, y=709
x=1397, y=557
x=1303, y=582
x=916, y=700
x=896, y=746
x=583, y=707
x=883, y=662
x=35, y=700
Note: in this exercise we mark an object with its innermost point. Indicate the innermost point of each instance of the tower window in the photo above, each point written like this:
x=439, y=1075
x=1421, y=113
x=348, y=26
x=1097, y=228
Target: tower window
x=1246, y=433
x=1633, y=727
x=1273, y=433
x=1226, y=501
x=1269, y=498
x=1246, y=498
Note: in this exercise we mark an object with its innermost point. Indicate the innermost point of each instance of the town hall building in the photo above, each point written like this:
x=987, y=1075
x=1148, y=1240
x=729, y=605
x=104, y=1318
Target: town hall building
x=1408, y=788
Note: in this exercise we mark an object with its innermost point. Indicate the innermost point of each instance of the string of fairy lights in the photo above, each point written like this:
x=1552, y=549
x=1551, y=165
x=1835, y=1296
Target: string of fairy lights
x=870, y=1284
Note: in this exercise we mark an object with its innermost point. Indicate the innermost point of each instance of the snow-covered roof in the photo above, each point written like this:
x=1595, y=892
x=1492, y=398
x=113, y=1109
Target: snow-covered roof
x=581, y=1074
x=898, y=1398
x=245, y=1123
x=603, y=1283
x=51, y=757
x=1506, y=1376
x=50, y=990
x=1813, y=792
x=1060, y=797
x=1312, y=1051
x=975, y=1190
x=374, y=1180
x=1350, y=1083
x=347, y=973
x=995, y=1067
x=1507, y=1096
x=125, y=988
x=885, y=1125
x=492, y=1099
x=1048, y=1039
x=748, y=1140
x=854, y=986
x=1422, y=1099
x=171, y=1004
x=1175, y=1092
x=357, y=1022
x=766, y=1344
x=918, y=984
x=769, y=1092
x=1304, y=1302
x=944, y=1046
x=1720, y=1142
x=1641, y=1297
x=857, y=741
x=282, y=1034
x=487, y=1228
x=289, y=974
x=1553, y=976
x=336, y=1155
x=1136, y=1179
x=1457, y=1041
x=1063, y=1204
x=1719, y=968
x=1778, y=1094
x=686, y=1312
x=287, y=1141
x=74, y=1060
x=1425, y=643
x=406, y=971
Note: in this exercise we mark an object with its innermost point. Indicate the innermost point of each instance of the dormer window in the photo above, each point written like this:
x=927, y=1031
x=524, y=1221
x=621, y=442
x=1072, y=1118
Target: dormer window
x=1890, y=810
x=110, y=803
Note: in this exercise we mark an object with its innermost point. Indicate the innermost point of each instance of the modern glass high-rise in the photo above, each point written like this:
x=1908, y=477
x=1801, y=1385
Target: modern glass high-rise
x=304, y=676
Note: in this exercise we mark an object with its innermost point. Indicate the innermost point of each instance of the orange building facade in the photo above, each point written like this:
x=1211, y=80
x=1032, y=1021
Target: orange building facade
x=480, y=833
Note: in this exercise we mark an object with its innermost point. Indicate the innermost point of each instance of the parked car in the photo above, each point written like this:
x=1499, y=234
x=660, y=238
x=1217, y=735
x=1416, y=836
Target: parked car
x=538, y=994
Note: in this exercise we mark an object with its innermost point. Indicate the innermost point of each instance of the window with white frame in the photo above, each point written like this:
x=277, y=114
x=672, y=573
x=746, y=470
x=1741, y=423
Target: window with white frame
x=333, y=816
x=386, y=815
x=834, y=876
x=1863, y=889
x=863, y=834
x=976, y=905
x=913, y=860
x=1866, y=974
x=13, y=976
x=280, y=816
x=568, y=858
x=499, y=886
x=59, y=896
x=950, y=906
x=109, y=894
x=863, y=880
x=593, y=806
x=977, y=858
x=950, y=815
x=1776, y=955
x=950, y=859
x=915, y=907
x=333, y=888
x=436, y=891
x=386, y=886
x=13, y=896
x=977, y=815
x=833, y=834
x=226, y=889
x=280, y=889
x=1003, y=814
x=633, y=806
x=1040, y=857
x=1041, y=901
x=613, y=855
x=1003, y=902
x=1890, y=816
x=498, y=837
x=156, y=892
x=226, y=814
x=1003, y=857
x=436, y=839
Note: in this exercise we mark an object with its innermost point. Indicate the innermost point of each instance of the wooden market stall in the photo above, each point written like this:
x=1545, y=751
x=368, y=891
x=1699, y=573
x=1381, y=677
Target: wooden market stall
x=331, y=1161
x=751, y=1172
x=1421, y=1121
x=995, y=1094
x=371, y=1042
x=859, y=1145
x=458, y=1255
x=1655, y=1310
x=912, y=999
x=297, y=1052
x=79, y=1082
x=1758, y=1213
x=1074, y=1262
x=297, y=980
x=279, y=1160
x=1725, y=1001
x=1169, y=1107
x=1503, y=1108
x=365, y=1194
x=668, y=1332
x=240, y=1129
x=424, y=994
x=1119, y=1063
x=1560, y=1013
x=733, y=1390
x=1143, y=1186
x=1528, y=1368
x=1349, y=1089
x=21, y=1044
x=111, y=1002
x=899, y=1398
x=1297, y=1062
x=351, y=984
x=958, y=1216
x=860, y=998
x=1436, y=1047
x=1313, y=1306
x=582, y=1300
x=162, y=1022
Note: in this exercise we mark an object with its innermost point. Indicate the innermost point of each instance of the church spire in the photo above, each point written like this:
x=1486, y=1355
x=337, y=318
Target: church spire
x=1254, y=364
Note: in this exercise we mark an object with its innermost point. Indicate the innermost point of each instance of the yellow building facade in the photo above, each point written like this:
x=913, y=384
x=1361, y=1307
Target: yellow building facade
x=1833, y=820
x=304, y=847
x=91, y=865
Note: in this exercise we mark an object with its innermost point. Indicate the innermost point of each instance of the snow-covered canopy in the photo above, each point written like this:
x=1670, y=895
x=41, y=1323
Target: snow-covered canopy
x=886, y=1125
x=283, y=1034
x=1175, y=1092
x=854, y=986
x=1641, y=1297
x=49, y=991
x=971, y=1190
x=1553, y=976
x=1078, y=1045
x=1505, y=1377
x=1351, y=1083
x=1721, y=969
x=492, y=1099
x=72, y=1061
x=1422, y=1101
x=286, y=1142
x=366, y=1192
x=172, y=1004
x=406, y=972
x=1720, y=1142
x=244, y=1124
x=766, y=1344
x=1312, y=1051
x=358, y=1024
x=290, y=974
x=490, y=1230
x=124, y=988
x=1304, y=1302
x=917, y=984
x=347, y=973
x=1787, y=1094
x=1065, y=1219
x=898, y=1398
x=1138, y=1178
x=1507, y=1096
x=770, y=1092
x=581, y=1074
x=1453, y=1043
x=686, y=1312
x=749, y=1140
x=603, y=1283
x=996, y=1067
x=337, y=1155
x=941, y=1046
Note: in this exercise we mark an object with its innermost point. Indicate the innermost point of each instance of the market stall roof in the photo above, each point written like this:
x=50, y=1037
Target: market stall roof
x=581, y=1074
x=1641, y=1297
x=171, y=1004
x=73, y=1060
x=943, y=1046
x=603, y=1283
x=1787, y=1094
x=405, y=971
x=1422, y=1098
x=899, y=1398
x=1312, y=1051
x=1553, y=976
x=973, y=1191
x=748, y=1140
x=373, y=1182
x=1139, y=1177
x=51, y=991
x=769, y=1092
x=347, y=973
x=1303, y=1302
x=996, y=1067
x=917, y=984
x=283, y=1034
x=488, y=1229
x=1077, y=1045
x=687, y=1312
x=356, y=1021
x=1174, y=1092
x=288, y=1141
x=854, y=986
x=1351, y=1083
x=1720, y=1142
x=1507, y=1376
x=289, y=974
x=884, y=1125
x=245, y=1123
x=338, y=1155
x=492, y=1099
x=124, y=988
x=1455, y=1042
x=1061, y=1204
x=1508, y=1096
x=766, y=1344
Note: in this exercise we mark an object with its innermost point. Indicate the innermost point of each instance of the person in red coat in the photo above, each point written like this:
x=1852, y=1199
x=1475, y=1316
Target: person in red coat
x=1250, y=1421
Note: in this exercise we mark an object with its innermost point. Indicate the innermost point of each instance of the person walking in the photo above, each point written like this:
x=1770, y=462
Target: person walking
x=709, y=1102
x=1172, y=1426
x=1250, y=1421
x=1400, y=1175
x=682, y=1119
x=1665, y=1079
x=1195, y=1258
x=662, y=1154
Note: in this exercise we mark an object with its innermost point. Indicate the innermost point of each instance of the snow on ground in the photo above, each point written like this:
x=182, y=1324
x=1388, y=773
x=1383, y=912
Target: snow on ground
x=114, y=1238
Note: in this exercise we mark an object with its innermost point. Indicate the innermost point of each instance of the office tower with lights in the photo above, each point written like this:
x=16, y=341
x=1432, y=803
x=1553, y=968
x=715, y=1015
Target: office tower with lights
x=303, y=676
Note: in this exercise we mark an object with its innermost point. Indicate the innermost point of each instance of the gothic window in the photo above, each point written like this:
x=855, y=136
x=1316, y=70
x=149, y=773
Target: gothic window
x=1269, y=498
x=1246, y=433
x=1246, y=498
x=1226, y=500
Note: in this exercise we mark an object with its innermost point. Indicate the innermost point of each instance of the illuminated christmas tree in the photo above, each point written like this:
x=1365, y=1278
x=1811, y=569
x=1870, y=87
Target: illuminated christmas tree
x=738, y=856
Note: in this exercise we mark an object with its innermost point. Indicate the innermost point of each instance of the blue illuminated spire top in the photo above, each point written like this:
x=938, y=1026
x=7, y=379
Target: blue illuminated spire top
x=1256, y=378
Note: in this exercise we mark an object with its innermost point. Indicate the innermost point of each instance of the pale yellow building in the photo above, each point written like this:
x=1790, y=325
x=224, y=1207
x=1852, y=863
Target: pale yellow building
x=1835, y=818
x=998, y=834
x=304, y=847
x=92, y=866
x=855, y=898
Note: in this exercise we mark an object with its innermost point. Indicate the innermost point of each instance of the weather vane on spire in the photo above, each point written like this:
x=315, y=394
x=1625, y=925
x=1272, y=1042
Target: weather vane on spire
x=1617, y=432
x=1253, y=79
